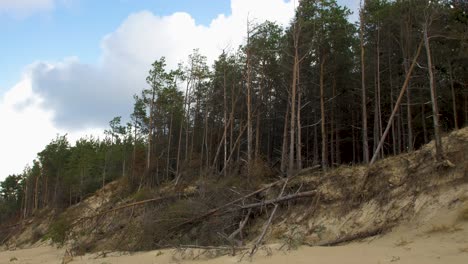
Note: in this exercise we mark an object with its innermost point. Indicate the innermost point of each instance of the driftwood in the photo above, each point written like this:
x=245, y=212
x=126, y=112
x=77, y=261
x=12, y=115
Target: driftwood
x=212, y=247
x=265, y=228
x=352, y=237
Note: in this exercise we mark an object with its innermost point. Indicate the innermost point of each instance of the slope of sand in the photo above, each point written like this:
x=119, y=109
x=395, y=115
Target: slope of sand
x=440, y=238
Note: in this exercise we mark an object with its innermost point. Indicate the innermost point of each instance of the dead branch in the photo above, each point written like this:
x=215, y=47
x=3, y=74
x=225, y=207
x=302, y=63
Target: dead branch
x=241, y=226
x=213, y=211
x=352, y=237
x=212, y=247
x=265, y=228
x=279, y=200
x=126, y=206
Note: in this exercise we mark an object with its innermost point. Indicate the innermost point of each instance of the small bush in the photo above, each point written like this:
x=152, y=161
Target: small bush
x=58, y=231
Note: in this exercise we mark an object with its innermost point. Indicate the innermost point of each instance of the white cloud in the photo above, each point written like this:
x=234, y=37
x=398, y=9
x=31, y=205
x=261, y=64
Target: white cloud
x=22, y=8
x=68, y=95
x=26, y=128
x=88, y=95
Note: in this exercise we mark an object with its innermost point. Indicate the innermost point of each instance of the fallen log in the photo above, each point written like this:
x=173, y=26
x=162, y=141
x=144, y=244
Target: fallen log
x=352, y=237
x=215, y=210
x=212, y=247
x=265, y=228
x=278, y=200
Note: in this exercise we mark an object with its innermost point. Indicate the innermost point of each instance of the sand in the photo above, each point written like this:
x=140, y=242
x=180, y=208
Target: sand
x=437, y=233
x=442, y=239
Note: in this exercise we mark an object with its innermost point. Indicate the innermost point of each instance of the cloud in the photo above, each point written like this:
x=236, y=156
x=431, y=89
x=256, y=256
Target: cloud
x=83, y=95
x=23, y=8
x=26, y=128
x=68, y=96
x=18, y=136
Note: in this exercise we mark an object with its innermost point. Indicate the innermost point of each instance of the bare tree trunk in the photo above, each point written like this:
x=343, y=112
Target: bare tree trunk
x=408, y=116
x=196, y=122
x=423, y=121
x=187, y=122
x=454, y=101
x=258, y=146
x=150, y=133
x=180, y=131
x=168, y=160
x=284, y=149
x=81, y=182
x=332, y=124
x=292, y=127
x=365, y=146
x=36, y=192
x=354, y=138
x=322, y=113
x=105, y=169
x=45, y=198
x=225, y=116
x=397, y=104
x=25, y=199
x=435, y=108
x=299, y=126
x=405, y=49
x=316, y=144
x=394, y=140
x=249, y=106
x=379, y=106
x=134, y=151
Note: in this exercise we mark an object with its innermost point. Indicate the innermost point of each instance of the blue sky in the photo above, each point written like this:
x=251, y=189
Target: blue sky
x=76, y=28
x=70, y=66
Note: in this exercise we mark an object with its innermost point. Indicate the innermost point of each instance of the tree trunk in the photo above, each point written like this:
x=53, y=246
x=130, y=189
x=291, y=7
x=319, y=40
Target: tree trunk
x=394, y=140
x=179, y=147
x=292, y=121
x=249, y=108
x=36, y=192
x=150, y=133
x=284, y=149
x=435, y=109
x=322, y=114
x=423, y=121
x=225, y=116
x=168, y=160
x=405, y=49
x=397, y=104
x=454, y=100
x=332, y=124
x=299, y=127
x=379, y=106
x=365, y=146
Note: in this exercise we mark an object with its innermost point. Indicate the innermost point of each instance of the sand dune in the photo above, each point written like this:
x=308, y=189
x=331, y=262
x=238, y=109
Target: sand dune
x=442, y=238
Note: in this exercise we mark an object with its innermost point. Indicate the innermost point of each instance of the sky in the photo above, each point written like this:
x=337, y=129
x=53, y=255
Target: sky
x=70, y=66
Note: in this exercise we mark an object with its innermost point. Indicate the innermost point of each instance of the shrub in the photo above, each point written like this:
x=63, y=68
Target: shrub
x=58, y=231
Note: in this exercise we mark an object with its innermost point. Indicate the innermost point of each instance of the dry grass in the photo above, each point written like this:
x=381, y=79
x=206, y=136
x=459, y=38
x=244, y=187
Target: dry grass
x=443, y=229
